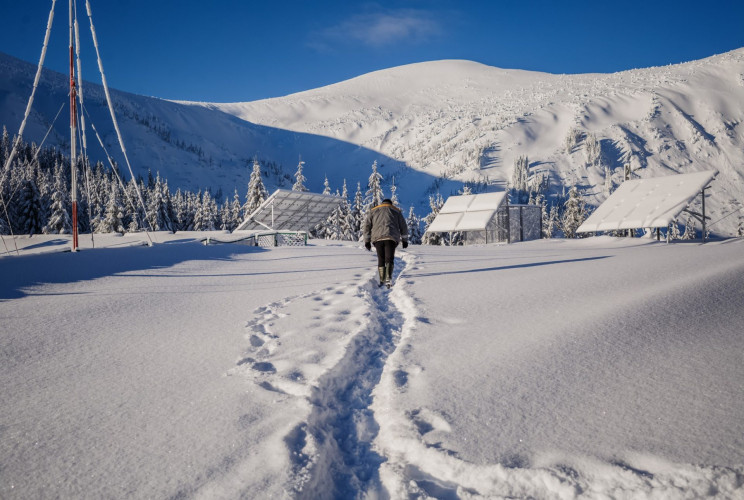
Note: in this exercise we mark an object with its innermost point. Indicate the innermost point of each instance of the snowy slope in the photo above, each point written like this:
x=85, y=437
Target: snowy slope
x=467, y=121
x=192, y=146
x=597, y=368
x=456, y=120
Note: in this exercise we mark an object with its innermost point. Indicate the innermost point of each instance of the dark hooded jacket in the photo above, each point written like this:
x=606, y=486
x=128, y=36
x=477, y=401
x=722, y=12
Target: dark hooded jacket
x=385, y=222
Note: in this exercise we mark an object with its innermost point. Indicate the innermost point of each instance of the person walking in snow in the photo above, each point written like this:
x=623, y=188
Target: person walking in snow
x=385, y=227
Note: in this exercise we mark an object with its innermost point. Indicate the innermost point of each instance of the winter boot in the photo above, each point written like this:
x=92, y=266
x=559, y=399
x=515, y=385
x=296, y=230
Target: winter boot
x=389, y=274
x=381, y=272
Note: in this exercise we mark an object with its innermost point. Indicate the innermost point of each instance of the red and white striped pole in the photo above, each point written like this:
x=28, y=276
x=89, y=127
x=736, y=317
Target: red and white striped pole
x=73, y=138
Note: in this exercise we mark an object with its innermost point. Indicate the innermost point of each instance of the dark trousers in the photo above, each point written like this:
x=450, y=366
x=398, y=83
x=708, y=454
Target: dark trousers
x=385, y=251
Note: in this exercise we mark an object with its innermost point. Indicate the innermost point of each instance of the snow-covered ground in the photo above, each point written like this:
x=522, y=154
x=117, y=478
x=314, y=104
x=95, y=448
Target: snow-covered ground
x=599, y=368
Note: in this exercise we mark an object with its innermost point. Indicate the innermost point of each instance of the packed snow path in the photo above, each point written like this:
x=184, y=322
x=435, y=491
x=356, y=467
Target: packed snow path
x=331, y=449
x=603, y=368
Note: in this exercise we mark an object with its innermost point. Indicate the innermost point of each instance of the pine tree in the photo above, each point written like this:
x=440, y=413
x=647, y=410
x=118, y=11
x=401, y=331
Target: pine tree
x=59, y=221
x=414, y=227
x=673, y=231
x=5, y=147
x=157, y=209
x=552, y=221
x=572, y=139
x=689, y=229
x=225, y=218
x=208, y=214
x=608, y=181
x=346, y=216
x=326, y=186
x=574, y=213
x=519, y=192
x=4, y=227
x=256, y=191
x=235, y=215
x=435, y=203
x=592, y=150
x=29, y=212
x=112, y=219
x=394, y=193
x=300, y=179
x=357, y=213
x=374, y=195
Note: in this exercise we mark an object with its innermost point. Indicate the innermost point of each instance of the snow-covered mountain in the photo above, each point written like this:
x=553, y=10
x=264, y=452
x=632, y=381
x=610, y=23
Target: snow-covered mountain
x=467, y=121
x=432, y=126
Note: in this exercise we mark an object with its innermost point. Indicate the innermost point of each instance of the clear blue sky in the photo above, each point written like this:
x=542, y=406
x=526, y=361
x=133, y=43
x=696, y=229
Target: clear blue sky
x=232, y=50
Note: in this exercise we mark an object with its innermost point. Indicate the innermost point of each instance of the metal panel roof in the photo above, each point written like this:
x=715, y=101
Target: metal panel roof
x=445, y=222
x=467, y=212
x=647, y=202
x=290, y=210
x=475, y=221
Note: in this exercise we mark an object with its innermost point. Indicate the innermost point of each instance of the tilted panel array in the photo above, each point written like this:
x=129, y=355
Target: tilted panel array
x=647, y=202
x=290, y=210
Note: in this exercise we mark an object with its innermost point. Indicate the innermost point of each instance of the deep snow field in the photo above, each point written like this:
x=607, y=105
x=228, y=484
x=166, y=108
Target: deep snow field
x=596, y=368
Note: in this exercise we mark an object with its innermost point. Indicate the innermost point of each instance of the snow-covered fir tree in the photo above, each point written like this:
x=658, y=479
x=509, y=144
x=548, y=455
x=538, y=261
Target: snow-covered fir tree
x=256, y=191
x=300, y=179
x=346, y=219
x=689, y=228
x=414, y=227
x=394, y=193
x=357, y=212
x=235, y=212
x=435, y=203
x=551, y=221
x=592, y=150
x=519, y=193
x=225, y=216
x=30, y=213
x=574, y=213
x=198, y=209
x=326, y=186
x=374, y=194
x=572, y=139
x=208, y=215
x=59, y=219
x=158, y=212
x=608, y=186
x=673, y=230
x=112, y=220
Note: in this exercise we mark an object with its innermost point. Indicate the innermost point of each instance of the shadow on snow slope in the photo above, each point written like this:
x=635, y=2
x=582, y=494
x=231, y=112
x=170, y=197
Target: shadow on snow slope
x=19, y=273
x=192, y=145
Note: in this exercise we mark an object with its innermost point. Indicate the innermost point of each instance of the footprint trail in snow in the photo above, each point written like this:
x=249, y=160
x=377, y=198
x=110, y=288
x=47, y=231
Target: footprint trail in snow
x=328, y=347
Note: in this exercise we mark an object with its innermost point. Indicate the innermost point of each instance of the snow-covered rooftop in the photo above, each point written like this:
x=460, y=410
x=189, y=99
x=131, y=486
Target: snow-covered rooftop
x=470, y=212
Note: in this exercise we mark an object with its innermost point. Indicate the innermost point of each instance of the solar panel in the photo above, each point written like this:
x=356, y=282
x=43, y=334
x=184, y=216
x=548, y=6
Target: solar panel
x=467, y=212
x=291, y=211
x=647, y=202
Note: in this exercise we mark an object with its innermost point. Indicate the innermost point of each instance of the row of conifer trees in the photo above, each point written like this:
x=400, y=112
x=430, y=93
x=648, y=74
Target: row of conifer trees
x=35, y=199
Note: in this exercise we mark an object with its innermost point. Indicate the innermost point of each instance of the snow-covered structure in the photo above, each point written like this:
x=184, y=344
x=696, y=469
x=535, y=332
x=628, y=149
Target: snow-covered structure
x=649, y=203
x=286, y=217
x=487, y=218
